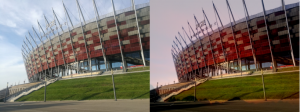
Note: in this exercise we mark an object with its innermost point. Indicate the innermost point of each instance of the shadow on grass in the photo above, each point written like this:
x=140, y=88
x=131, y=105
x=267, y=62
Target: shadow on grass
x=141, y=95
x=189, y=98
x=219, y=97
x=292, y=96
x=89, y=97
x=68, y=97
x=26, y=99
x=239, y=97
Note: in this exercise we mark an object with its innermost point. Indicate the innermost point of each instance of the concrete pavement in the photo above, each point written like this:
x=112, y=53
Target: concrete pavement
x=239, y=75
x=122, y=105
x=272, y=105
x=118, y=73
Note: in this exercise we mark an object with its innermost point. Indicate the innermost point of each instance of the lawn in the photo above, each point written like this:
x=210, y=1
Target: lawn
x=138, y=69
x=128, y=86
x=288, y=69
x=278, y=86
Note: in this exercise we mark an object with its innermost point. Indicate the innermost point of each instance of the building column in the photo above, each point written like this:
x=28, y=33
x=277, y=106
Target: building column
x=139, y=34
x=260, y=65
x=275, y=65
x=109, y=64
x=249, y=67
x=122, y=56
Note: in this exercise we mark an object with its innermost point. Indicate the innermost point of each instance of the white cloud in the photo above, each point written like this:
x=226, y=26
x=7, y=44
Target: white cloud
x=20, y=31
x=21, y=15
x=1, y=37
x=10, y=23
x=12, y=68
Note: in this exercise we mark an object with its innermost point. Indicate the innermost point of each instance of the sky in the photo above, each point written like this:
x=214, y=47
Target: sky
x=169, y=16
x=17, y=17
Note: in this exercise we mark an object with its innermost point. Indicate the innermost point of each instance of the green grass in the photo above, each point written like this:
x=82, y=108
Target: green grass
x=128, y=86
x=288, y=69
x=138, y=69
x=278, y=86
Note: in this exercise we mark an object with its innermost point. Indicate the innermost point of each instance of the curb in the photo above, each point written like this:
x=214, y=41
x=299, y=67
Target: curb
x=85, y=100
x=254, y=75
x=246, y=100
x=104, y=75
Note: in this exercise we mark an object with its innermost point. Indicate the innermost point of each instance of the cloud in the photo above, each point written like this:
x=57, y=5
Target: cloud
x=10, y=23
x=20, y=31
x=12, y=67
x=24, y=14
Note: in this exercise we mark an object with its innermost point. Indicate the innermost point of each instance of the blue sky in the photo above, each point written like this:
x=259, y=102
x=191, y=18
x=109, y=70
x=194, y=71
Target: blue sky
x=17, y=18
x=169, y=16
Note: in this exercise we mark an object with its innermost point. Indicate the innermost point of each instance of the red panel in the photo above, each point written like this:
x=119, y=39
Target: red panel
x=113, y=36
x=129, y=13
x=223, y=34
x=144, y=22
x=110, y=22
x=134, y=40
x=284, y=40
x=279, y=13
x=260, y=22
x=88, y=32
x=80, y=38
x=111, y=25
x=73, y=34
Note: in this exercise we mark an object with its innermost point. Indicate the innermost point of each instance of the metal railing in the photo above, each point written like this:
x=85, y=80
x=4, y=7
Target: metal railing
x=179, y=88
x=29, y=88
x=24, y=90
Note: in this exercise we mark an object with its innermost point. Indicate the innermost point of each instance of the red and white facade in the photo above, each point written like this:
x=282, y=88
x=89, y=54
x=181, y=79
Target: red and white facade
x=80, y=49
x=230, y=50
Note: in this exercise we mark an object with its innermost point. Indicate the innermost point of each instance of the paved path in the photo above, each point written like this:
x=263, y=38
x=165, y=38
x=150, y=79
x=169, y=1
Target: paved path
x=139, y=105
x=118, y=73
x=235, y=76
x=229, y=106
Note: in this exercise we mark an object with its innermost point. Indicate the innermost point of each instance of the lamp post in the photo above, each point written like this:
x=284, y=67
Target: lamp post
x=45, y=88
x=262, y=76
x=112, y=75
x=195, y=90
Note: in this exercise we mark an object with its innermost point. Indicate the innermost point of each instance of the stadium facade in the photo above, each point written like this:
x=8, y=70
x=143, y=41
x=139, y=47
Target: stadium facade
x=266, y=40
x=117, y=40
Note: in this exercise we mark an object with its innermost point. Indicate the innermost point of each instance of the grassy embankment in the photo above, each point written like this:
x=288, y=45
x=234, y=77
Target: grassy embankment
x=128, y=86
x=288, y=69
x=277, y=86
x=138, y=69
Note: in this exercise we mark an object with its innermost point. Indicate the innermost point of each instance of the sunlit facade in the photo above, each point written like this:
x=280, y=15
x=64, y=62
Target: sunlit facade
x=118, y=40
x=236, y=48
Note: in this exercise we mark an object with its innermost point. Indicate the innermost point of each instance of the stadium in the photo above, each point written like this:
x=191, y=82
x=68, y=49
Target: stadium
x=267, y=40
x=114, y=41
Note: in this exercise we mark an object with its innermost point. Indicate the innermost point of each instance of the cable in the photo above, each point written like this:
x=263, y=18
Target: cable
x=60, y=17
x=72, y=14
x=97, y=10
x=122, y=3
x=62, y=23
x=86, y=13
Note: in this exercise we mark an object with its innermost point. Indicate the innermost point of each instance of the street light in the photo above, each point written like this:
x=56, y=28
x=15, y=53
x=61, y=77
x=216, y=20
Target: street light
x=112, y=75
x=262, y=76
